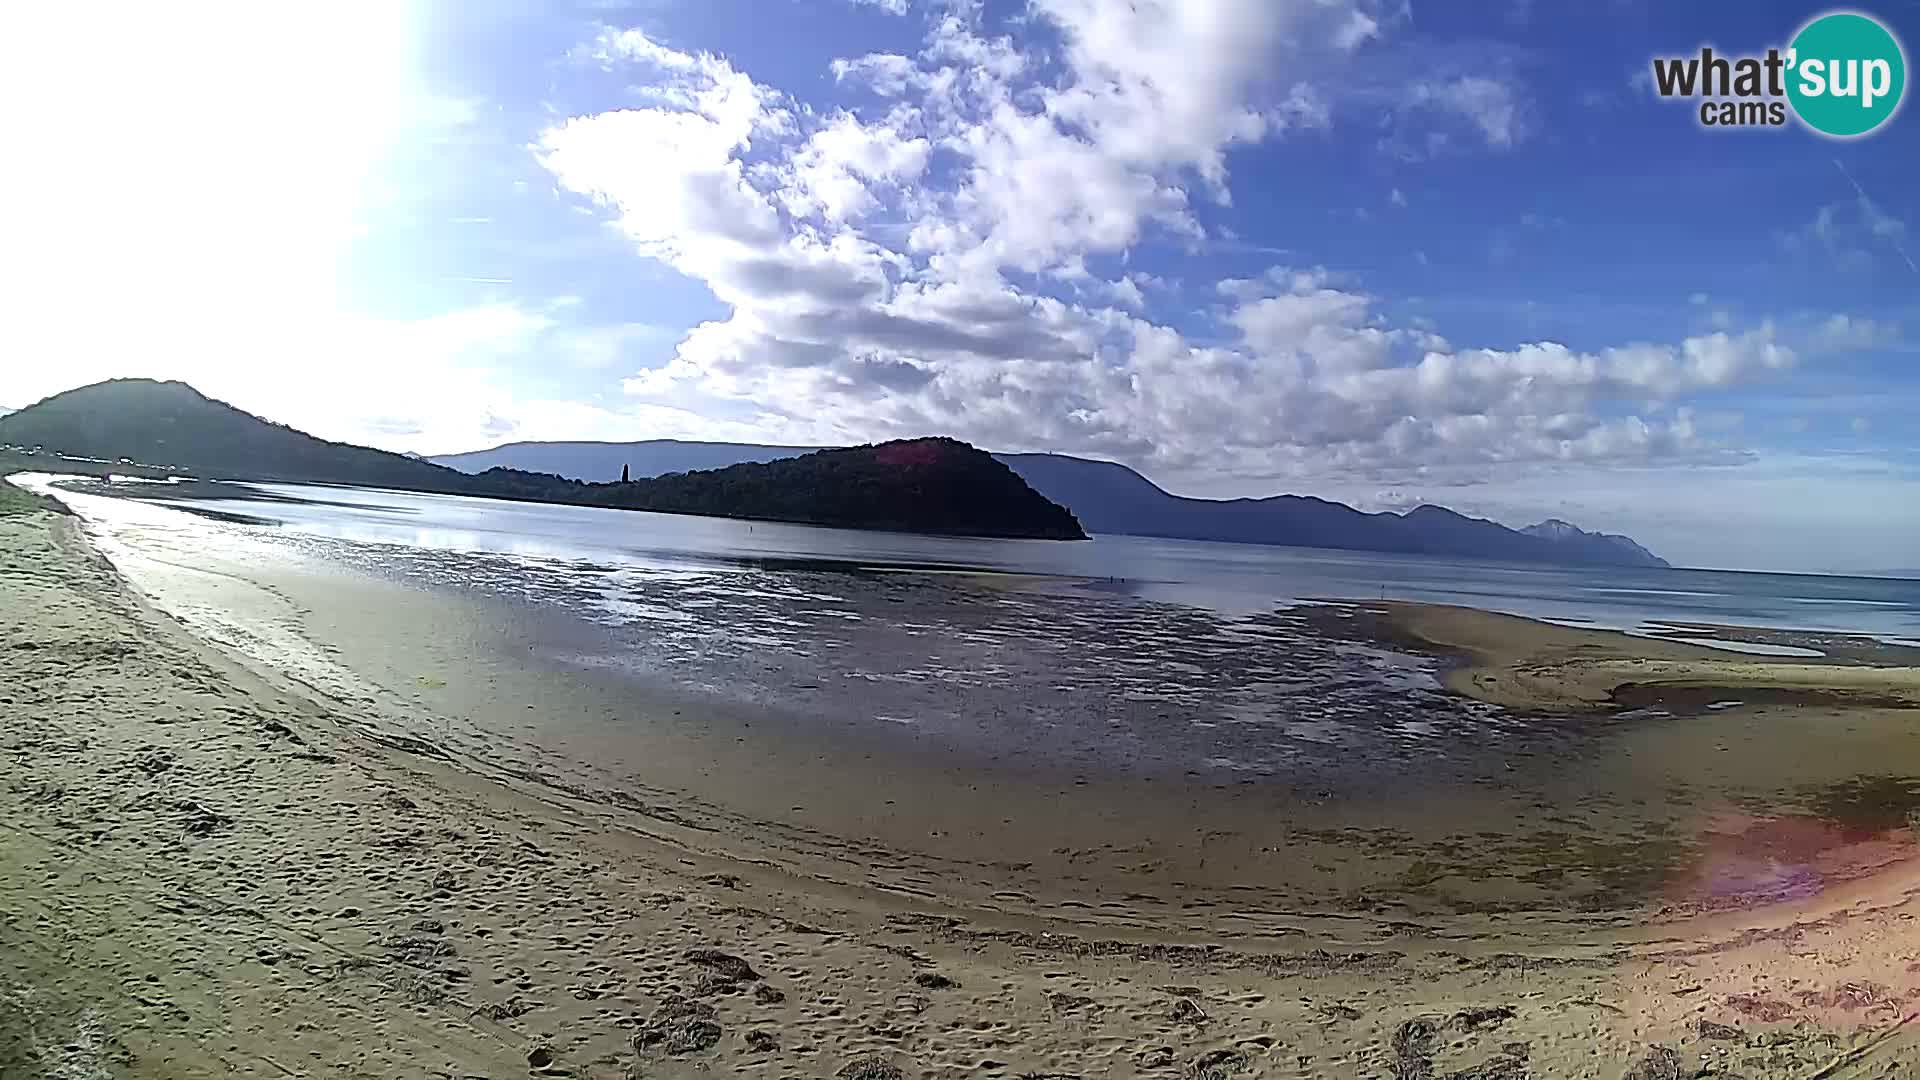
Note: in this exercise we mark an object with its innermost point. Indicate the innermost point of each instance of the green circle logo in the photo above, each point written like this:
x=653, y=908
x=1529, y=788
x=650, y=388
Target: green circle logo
x=1846, y=74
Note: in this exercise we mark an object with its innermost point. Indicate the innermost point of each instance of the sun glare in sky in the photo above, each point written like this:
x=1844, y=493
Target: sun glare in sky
x=196, y=173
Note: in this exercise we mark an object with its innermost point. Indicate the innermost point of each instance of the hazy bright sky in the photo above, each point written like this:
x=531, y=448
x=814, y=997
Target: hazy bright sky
x=1376, y=251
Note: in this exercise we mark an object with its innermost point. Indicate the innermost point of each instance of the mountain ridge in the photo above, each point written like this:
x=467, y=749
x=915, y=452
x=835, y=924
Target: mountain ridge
x=939, y=485
x=1108, y=497
x=595, y=461
x=1568, y=533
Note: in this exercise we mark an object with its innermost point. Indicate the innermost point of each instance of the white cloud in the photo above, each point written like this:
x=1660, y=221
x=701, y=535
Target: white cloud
x=1141, y=97
x=886, y=74
x=1491, y=105
x=1127, y=293
x=1840, y=333
x=985, y=317
x=891, y=7
x=1851, y=235
x=831, y=176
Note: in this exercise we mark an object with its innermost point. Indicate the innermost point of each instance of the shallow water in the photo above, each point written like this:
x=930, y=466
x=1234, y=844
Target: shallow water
x=1752, y=648
x=1386, y=789
x=1227, y=578
x=1060, y=675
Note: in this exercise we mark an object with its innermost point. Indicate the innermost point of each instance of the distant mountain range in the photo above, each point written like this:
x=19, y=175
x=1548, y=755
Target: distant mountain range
x=1562, y=532
x=172, y=424
x=1111, y=498
x=601, y=462
x=921, y=485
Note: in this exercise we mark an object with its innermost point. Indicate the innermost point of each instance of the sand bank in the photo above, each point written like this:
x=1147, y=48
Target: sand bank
x=206, y=870
x=1523, y=664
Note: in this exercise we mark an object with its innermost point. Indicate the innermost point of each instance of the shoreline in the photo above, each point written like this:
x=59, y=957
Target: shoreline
x=181, y=773
x=1028, y=836
x=1523, y=663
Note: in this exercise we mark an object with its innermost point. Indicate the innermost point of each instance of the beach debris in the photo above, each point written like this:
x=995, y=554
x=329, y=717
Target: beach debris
x=709, y=984
x=678, y=1025
x=155, y=760
x=1475, y=1019
x=763, y=1041
x=722, y=966
x=1765, y=1010
x=933, y=980
x=1187, y=1011
x=1070, y=1002
x=1337, y=1011
x=417, y=988
x=415, y=948
x=91, y=1051
x=1658, y=1063
x=1413, y=1048
x=506, y=1010
x=539, y=1055
x=870, y=1068
x=1849, y=996
x=201, y=821
x=1707, y=1029
x=1154, y=1057
x=407, y=744
x=1509, y=1064
x=1218, y=1065
x=768, y=995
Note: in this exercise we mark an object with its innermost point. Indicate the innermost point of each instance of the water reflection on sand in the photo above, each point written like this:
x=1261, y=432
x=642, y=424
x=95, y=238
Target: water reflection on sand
x=1122, y=685
x=1452, y=804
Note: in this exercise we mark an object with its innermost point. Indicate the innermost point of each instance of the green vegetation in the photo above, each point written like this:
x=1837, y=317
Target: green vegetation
x=925, y=485
x=14, y=501
x=172, y=424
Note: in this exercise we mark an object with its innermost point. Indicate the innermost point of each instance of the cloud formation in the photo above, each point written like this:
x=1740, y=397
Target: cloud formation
x=925, y=260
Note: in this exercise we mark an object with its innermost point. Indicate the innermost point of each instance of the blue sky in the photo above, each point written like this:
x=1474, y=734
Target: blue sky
x=1383, y=252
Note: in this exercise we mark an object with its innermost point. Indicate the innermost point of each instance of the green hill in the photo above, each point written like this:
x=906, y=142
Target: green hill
x=934, y=485
x=171, y=423
x=924, y=485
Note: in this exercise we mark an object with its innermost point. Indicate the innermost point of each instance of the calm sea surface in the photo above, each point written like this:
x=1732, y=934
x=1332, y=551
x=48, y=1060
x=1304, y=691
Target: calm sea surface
x=1230, y=579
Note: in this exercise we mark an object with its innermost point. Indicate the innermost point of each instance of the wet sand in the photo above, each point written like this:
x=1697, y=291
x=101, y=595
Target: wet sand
x=1523, y=664
x=210, y=868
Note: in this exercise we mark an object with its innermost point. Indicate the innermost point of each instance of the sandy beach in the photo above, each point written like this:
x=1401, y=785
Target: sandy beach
x=210, y=869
